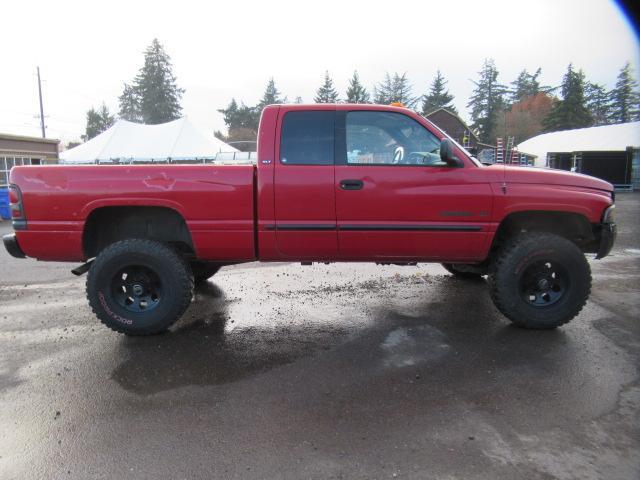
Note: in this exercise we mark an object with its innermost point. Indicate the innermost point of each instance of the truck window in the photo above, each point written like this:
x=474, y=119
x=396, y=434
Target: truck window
x=307, y=138
x=389, y=138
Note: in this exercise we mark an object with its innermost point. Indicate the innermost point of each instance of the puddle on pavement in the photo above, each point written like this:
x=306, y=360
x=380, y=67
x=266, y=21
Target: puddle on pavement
x=407, y=346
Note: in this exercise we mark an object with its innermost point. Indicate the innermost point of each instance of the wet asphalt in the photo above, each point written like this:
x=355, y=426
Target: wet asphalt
x=323, y=371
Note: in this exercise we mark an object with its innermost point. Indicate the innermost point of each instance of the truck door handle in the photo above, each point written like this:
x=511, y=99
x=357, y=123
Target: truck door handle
x=351, y=184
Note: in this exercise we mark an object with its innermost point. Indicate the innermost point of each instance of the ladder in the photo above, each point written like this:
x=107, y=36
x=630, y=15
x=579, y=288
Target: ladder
x=509, y=151
x=499, y=150
x=515, y=156
x=466, y=139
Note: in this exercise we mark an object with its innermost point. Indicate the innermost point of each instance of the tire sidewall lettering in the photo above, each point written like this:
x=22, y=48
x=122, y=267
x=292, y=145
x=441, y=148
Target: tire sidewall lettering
x=111, y=313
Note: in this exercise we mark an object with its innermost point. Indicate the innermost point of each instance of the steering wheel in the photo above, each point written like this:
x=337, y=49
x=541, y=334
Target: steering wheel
x=416, y=158
x=398, y=155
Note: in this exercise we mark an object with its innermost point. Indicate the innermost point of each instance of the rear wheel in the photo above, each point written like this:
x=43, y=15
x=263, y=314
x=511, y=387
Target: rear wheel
x=540, y=280
x=463, y=271
x=203, y=271
x=139, y=287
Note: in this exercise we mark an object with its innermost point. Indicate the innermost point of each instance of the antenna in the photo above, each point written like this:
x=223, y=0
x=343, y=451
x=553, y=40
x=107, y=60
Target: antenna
x=41, y=109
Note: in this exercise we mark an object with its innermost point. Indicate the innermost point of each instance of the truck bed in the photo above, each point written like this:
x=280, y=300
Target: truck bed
x=216, y=203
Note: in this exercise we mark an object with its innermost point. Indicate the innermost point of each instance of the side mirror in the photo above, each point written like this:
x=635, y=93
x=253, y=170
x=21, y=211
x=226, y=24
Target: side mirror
x=446, y=154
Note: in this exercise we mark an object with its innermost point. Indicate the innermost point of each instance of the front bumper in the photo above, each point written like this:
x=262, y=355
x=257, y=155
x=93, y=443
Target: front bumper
x=11, y=244
x=608, y=233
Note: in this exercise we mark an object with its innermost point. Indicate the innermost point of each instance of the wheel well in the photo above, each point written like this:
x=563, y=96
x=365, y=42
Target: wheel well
x=108, y=225
x=572, y=226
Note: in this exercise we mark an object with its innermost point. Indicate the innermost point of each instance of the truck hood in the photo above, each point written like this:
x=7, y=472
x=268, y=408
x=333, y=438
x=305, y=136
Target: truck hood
x=514, y=174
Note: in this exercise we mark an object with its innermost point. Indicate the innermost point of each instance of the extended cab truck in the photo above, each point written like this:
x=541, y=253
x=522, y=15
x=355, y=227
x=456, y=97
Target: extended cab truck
x=333, y=183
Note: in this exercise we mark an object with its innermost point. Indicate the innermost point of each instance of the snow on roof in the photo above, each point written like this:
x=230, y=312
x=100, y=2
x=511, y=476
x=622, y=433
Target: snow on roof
x=606, y=138
x=178, y=139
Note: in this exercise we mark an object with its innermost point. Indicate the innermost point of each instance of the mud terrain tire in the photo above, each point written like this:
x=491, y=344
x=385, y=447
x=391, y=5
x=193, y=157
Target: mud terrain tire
x=540, y=280
x=139, y=287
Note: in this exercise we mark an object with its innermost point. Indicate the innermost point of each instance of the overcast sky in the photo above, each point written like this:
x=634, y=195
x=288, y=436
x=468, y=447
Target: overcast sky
x=224, y=49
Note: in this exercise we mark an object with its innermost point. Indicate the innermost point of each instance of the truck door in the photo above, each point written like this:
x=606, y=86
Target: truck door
x=395, y=198
x=305, y=209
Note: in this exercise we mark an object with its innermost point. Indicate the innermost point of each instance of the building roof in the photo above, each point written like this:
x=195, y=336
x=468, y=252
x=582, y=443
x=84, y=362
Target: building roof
x=176, y=140
x=22, y=138
x=457, y=117
x=605, y=138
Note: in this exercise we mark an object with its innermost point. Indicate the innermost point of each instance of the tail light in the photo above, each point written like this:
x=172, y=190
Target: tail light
x=15, y=203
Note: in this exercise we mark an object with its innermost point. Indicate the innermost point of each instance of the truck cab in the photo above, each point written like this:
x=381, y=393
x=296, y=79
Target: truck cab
x=379, y=186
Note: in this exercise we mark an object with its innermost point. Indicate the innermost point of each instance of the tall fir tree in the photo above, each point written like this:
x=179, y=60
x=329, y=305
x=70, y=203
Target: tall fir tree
x=393, y=89
x=487, y=102
x=356, y=93
x=571, y=111
x=625, y=97
x=154, y=96
x=527, y=85
x=597, y=101
x=97, y=122
x=271, y=96
x=239, y=116
x=326, y=93
x=130, y=104
x=438, y=96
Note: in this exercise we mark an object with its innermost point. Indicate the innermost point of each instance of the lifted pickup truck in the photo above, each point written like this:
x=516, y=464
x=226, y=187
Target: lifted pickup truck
x=333, y=183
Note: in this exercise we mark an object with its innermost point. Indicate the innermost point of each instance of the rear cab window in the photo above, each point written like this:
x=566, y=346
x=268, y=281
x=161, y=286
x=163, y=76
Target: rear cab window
x=307, y=138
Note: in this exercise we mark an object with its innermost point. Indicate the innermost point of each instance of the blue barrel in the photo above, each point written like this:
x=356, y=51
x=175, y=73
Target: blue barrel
x=5, y=213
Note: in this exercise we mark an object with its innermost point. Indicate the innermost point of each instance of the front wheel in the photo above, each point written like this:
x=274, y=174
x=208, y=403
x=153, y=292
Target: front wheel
x=139, y=287
x=540, y=280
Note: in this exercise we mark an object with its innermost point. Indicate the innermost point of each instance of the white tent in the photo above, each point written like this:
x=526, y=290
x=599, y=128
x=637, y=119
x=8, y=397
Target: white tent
x=606, y=138
x=128, y=141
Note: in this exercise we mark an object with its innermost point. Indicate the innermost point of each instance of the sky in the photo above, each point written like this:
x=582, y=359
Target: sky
x=86, y=50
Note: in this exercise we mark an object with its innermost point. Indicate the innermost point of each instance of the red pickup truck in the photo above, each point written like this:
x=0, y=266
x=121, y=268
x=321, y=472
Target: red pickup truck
x=333, y=183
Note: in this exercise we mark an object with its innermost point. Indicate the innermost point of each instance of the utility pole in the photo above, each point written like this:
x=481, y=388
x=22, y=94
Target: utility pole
x=41, y=109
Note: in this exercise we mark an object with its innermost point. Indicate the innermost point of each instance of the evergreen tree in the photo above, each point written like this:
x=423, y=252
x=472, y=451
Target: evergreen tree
x=356, y=93
x=326, y=93
x=438, y=96
x=242, y=120
x=487, y=102
x=527, y=85
x=298, y=100
x=394, y=89
x=570, y=112
x=625, y=97
x=382, y=91
x=230, y=113
x=271, y=96
x=242, y=125
x=130, y=104
x=97, y=122
x=154, y=96
x=240, y=116
x=598, y=103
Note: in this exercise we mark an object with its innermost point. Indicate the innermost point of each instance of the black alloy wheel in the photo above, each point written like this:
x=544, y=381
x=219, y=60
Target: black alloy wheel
x=543, y=283
x=137, y=288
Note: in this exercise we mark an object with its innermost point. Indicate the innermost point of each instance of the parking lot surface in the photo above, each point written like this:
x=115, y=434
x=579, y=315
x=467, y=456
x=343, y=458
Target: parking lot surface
x=323, y=371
